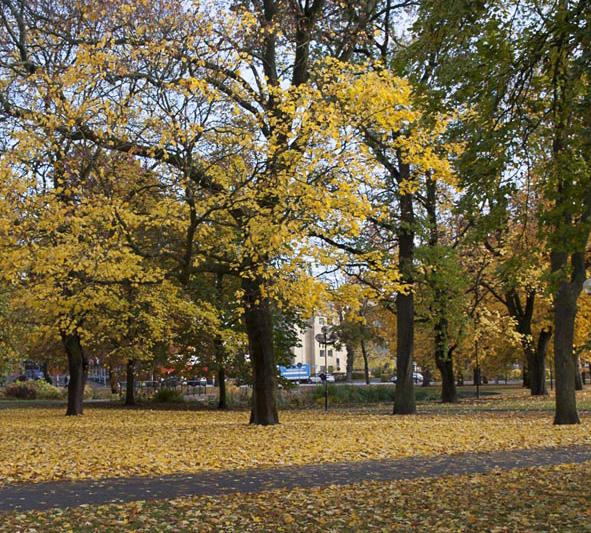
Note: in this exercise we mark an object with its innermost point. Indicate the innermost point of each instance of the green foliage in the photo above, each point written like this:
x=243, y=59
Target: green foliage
x=33, y=390
x=21, y=390
x=46, y=391
x=168, y=396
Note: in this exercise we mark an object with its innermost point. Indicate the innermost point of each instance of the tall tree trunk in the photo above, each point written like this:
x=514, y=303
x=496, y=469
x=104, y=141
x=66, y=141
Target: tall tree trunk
x=565, y=309
x=443, y=353
x=567, y=256
x=220, y=351
x=259, y=328
x=130, y=378
x=538, y=376
x=350, y=360
x=77, y=367
x=444, y=361
x=222, y=395
x=404, y=394
x=365, y=361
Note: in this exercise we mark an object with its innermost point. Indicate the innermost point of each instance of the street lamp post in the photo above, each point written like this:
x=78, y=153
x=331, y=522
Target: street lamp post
x=326, y=339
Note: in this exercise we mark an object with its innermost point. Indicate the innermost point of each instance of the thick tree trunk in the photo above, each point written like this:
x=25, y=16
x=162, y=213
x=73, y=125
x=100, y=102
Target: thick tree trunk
x=565, y=309
x=526, y=381
x=77, y=367
x=449, y=393
x=538, y=373
x=365, y=361
x=350, y=361
x=404, y=394
x=259, y=328
x=444, y=361
x=130, y=378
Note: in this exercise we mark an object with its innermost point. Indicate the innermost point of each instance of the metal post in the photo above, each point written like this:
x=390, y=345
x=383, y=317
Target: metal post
x=325, y=373
x=477, y=372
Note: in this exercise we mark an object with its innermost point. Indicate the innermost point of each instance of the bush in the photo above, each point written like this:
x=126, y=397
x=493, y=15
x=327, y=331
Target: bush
x=168, y=396
x=46, y=391
x=23, y=390
x=351, y=394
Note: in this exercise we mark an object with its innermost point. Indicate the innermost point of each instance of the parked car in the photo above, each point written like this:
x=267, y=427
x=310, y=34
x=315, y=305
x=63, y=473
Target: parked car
x=318, y=378
x=197, y=382
x=173, y=381
x=417, y=377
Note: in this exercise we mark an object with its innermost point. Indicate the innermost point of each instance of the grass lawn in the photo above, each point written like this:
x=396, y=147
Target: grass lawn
x=529, y=500
x=40, y=443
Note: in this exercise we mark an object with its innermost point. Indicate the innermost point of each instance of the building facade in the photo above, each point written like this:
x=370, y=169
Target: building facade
x=311, y=352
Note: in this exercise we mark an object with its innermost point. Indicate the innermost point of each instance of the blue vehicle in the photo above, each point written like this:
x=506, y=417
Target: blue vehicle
x=297, y=373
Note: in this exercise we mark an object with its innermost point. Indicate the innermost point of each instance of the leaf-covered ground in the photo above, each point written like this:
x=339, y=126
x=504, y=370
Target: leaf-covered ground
x=42, y=444
x=529, y=500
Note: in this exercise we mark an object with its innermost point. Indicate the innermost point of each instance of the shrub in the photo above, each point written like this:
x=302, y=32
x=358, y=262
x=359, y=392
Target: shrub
x=351, y=394
x=168, y=396
x=46, y=391
x=88, y=392
x=23, y=390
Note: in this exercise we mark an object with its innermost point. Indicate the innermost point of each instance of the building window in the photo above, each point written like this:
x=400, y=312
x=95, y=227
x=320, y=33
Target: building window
x=338, y=362
x=329, y=353
x=321, y=353
x=321, y=321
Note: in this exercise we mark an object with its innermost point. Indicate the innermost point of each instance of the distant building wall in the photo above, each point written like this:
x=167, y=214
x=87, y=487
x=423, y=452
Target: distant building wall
x=312, y=352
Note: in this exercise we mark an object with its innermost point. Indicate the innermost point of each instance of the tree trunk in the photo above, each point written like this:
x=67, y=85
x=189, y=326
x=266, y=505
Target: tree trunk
x=130, y=378
x=526, y=381
x=219, y=349
x=476, y=376
x=443, y=353
x=565, y=309
x=444, y=361
x=350, y=361
x=578, y=376
x=404, y=394
x=222, y=396
x=538, y=374
x=259, y=328
x=77, y=367
x=365, y=361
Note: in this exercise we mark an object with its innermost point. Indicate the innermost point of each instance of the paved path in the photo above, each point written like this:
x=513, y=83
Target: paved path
x=41, y=496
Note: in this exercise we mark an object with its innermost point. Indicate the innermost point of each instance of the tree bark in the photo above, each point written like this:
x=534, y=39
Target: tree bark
x=350, y=361
x=222, y=396
x=404, y=394
x=365, y=361
x=130, y=378
x=538, y=374
x=565, y=309
x=444, y=361
x=443, y=353
x=259, y=328
x=78, y=368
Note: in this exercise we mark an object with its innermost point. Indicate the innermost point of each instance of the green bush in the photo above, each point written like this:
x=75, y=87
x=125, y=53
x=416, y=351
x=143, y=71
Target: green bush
x=46, y=391
x=23, y=390
x=351, y=394
x=168, y=396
